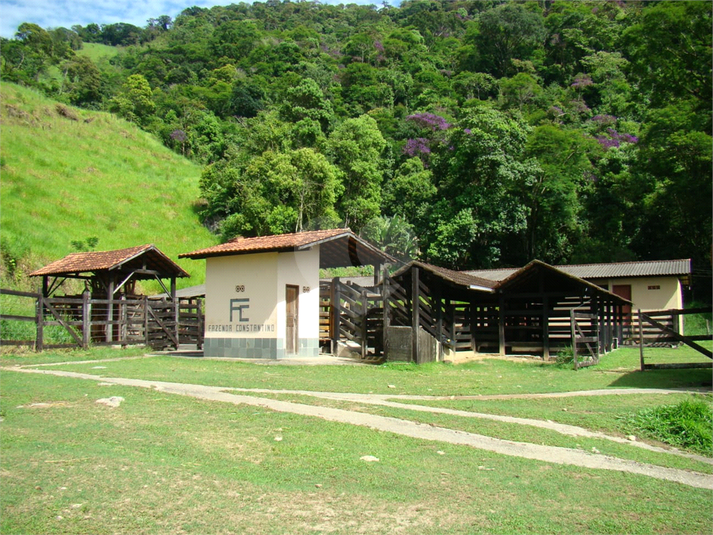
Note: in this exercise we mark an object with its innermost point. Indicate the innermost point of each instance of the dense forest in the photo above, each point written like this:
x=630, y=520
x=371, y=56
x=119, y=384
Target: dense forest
x=467, y=133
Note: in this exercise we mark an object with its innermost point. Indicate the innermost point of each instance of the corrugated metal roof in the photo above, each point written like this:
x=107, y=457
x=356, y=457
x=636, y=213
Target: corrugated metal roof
x=650, y=268
x=95, y=261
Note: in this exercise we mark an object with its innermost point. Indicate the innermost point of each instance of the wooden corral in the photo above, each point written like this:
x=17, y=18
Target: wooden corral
x=539, y=310
x=109, y=309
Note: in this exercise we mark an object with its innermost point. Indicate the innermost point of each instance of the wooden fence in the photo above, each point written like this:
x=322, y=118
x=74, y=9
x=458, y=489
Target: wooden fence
x=82, y=321
x=667, y=332
x=356, y=316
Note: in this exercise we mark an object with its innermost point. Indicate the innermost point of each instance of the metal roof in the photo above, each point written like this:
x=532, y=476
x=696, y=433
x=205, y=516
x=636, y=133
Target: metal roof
x=459, y=278
x=652, y=268
x=339, y=247
x=141, y=257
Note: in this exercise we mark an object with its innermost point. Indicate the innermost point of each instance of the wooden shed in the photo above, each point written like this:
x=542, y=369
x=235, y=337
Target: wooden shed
x=109, y=305
x=530, y=312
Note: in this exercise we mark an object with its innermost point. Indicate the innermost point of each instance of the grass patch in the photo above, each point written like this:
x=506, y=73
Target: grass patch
x=484, y=377
x=168, y=464
x=687, y=424
x=98, y=177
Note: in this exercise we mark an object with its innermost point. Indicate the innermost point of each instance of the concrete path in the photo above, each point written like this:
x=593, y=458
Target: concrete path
x=550, y=454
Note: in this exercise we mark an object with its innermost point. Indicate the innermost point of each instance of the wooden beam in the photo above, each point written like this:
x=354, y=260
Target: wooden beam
x=501, y=325
x=546, y=329
x=415, y=313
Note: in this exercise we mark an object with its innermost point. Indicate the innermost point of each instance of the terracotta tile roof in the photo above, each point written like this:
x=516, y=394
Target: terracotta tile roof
x=267, y=243
x=340, y=247
x=94, y=261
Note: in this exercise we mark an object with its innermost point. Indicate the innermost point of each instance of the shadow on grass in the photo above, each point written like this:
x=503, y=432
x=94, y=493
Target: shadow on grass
x=694, y=378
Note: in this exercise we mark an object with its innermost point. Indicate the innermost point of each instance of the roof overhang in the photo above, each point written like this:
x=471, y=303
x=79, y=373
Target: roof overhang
x=338, y=248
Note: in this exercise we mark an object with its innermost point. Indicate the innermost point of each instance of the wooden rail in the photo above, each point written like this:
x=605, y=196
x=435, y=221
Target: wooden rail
x=84, y=321
x=670, y=333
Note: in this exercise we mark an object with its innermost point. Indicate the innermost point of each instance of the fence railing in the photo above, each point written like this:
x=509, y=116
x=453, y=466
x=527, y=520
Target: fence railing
x=43, y=322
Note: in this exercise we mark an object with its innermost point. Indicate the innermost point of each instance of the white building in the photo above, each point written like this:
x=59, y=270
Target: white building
x=262, y=294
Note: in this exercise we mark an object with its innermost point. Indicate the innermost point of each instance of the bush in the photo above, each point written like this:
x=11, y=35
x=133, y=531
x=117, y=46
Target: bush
x=687, y=425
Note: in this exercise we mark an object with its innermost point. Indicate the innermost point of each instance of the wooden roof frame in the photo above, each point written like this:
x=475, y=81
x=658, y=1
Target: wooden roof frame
x=112, y=269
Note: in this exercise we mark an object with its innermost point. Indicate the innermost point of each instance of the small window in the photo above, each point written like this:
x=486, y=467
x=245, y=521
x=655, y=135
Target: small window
x=655, y=287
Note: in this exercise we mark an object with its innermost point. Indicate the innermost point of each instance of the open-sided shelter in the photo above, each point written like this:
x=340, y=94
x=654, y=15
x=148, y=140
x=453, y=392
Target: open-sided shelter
x=110, y=278
x=109, y=273
x=528, y=312
x=649, y=285
x=262, y=294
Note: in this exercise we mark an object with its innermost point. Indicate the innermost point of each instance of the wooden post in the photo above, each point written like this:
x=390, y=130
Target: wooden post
x=546, y=328
x=123, y=325
x=415, y=314
x=86, y=319
x=387, y=311
x=146, y=320
x=364, y=325
x=40, y=321
x=110, y=312
x=573, y=330
x=501, y=325
x=176, y=311
x=597, y=323
x=336, y=315
x=472, y=314
x=438, y=300
x=641, y=339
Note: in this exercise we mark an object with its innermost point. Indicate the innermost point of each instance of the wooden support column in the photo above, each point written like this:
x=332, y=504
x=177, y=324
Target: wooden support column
x=40, y=321
x=176, y=311
x=415, y=313
x=364, y=324
x=641, y=340
x=471, y=319
x=146, y=319
x=573, y=330
x=546, y=328
x=86, y=319
x=386, y=310
x=501, y=324
x=110, y=311
x=598, y=323
x=438, y=300
x=336, y=315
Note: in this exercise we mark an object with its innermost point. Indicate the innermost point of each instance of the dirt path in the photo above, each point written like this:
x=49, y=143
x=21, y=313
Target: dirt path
x=550, y=454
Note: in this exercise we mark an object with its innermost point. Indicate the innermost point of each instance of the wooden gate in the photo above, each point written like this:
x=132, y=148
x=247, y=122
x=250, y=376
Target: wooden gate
x=357, y=317
x=80, y=321
x=585, y=334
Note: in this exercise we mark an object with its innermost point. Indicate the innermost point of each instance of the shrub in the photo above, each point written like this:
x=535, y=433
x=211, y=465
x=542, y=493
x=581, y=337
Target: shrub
x=687, y=425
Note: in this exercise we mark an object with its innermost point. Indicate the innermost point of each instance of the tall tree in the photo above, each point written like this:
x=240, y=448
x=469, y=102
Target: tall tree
x=355, y=147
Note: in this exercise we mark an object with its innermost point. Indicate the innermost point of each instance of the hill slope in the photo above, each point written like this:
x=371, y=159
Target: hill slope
x=70, y=177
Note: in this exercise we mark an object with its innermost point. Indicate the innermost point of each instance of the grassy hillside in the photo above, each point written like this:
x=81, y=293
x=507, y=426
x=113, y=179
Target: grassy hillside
x=69, y=176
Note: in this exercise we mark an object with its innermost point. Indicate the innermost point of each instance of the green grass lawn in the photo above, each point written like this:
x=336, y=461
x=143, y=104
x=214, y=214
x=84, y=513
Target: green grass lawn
x=167, y=464
x=67, y=181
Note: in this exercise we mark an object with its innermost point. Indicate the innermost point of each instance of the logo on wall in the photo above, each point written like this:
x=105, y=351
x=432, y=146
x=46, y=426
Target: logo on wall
x=240, y=306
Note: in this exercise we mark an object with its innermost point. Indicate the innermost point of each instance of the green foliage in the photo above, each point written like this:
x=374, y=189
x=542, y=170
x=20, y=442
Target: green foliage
x=96, y=178
x=688, y=424
x=590, y=121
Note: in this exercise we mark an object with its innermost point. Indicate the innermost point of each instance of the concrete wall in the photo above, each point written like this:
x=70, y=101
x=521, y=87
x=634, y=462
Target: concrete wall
x=245, y=304
x=651, y=293
x=300, y=269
